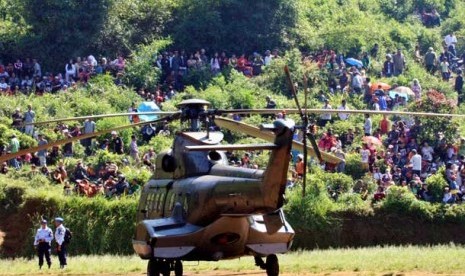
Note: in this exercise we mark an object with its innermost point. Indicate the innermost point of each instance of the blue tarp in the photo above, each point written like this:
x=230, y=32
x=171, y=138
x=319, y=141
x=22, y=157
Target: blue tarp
x=354, y=62
x=148, y=107
x=393, y=94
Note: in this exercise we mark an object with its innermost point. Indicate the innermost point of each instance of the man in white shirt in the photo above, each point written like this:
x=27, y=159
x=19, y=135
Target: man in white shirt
x=365, y=155
x=325, y=117
x=415, y=161
x=268, y=58
x=343, y=116
x=368, y=126
x=451, y=41
x=134, y=149
x=42, y=241
x=60, y=239
x=427, y=152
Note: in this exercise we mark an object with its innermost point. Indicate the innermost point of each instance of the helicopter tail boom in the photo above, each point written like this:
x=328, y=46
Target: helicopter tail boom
x=275, y=176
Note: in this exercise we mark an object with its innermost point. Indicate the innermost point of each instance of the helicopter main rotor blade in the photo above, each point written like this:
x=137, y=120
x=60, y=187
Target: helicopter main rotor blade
x=335, y=111
x=270, y=146
x=269, y=137
x=10, y=156
x=80, y=118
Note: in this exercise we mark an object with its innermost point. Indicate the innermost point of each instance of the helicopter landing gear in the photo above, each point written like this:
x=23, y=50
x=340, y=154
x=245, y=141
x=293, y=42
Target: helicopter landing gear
x=153, y=268
x=178, y=270
x=164, y=267
x=272, y=265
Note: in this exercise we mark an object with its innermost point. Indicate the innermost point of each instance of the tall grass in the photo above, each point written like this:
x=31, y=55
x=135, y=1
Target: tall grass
x=367, y=261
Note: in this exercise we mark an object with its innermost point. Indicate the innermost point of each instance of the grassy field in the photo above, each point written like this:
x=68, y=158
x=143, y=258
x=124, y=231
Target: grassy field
x=367, y=261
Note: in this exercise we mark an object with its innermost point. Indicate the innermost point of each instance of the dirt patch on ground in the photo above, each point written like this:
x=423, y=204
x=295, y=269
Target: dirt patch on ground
x=261, y=273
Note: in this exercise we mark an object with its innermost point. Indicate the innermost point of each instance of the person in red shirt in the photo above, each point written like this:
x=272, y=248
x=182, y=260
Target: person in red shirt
x=299, y=166
x=327, y=141
x=384, y=125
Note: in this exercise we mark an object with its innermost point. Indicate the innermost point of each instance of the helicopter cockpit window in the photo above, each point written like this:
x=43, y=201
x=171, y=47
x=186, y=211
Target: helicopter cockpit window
x=168, y=163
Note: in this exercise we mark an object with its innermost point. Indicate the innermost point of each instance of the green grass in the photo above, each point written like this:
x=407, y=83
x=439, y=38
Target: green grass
x=375, y=260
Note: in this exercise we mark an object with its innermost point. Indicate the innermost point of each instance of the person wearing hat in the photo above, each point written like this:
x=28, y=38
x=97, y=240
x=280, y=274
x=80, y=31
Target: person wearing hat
x=431, y=60
x=388, y=66
x=42, y=241
x=60, y=240
x=17, y=118
x=121, y=187
x=270, y=104
x=357, y=82
x=117, y=143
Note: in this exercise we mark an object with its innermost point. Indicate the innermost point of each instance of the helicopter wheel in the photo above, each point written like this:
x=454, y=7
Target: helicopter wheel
x=272, y=265
x=165, y=268
x=178, y=270
x=153, y=268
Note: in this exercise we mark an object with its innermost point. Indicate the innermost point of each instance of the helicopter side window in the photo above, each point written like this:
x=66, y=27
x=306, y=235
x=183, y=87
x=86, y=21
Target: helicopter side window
x=185, y=202
x=158, y=202
x=149, y=204
x=155, y=201
x=169, y=203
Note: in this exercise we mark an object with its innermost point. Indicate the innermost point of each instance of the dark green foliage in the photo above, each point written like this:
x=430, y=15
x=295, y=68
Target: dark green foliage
x=133, y=22
x=354, y=165
x=233, y=25
x=141, y=70
x=436, y=184
x=61, y=29
x=398, y=200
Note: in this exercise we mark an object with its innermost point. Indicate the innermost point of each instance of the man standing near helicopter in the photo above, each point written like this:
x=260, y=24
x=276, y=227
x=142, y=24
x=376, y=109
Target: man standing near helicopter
x=60, y=239
x=42, y=241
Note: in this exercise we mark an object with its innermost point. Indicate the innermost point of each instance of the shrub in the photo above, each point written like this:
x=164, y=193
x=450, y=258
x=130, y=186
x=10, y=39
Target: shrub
x=11, y=196
x=436, y=184
x=160, y=143
x=398, y=200
x=140, y=69
x=354, y=204
x=310, y=212
x=354, y=165
x=339, y=182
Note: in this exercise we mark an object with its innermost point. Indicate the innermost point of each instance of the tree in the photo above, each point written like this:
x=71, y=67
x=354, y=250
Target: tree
x=233, y=25
x=61, y=29
x=133, y=22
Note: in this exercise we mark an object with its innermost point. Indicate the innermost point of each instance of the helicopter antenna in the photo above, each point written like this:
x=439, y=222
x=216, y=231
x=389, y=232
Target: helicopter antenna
x=305, y=121
x=307, y=134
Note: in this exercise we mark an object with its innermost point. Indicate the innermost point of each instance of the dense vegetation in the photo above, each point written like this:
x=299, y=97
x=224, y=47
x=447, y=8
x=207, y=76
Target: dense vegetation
x=56, y=30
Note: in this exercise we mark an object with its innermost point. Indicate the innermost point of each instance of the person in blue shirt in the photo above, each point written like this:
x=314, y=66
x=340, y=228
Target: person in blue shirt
x=382, y=102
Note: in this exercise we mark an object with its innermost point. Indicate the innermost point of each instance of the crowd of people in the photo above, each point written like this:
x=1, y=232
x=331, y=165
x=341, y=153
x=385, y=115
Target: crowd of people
x=392, y=152
x=407, y=160
x=26, y=76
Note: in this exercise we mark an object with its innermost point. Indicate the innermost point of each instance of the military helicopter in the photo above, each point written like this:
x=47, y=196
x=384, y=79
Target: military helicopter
x=198, y=208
